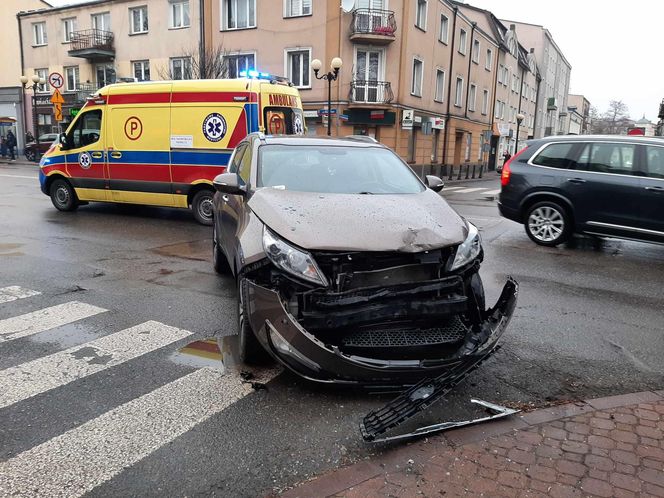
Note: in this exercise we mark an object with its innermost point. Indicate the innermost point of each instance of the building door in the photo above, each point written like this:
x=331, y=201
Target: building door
x=493, y=152
x=105, y=74
x=458, y=147
x=369, y=69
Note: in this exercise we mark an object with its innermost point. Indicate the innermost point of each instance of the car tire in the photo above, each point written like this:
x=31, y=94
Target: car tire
x=219, y=260
x=30, y=155
x=548, y=224
x=203, y=207
x=250, y=349
x=63, y=195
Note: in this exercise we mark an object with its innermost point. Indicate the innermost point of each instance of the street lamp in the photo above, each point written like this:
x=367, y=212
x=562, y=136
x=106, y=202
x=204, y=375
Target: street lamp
x=331, y=76
x=36, y=81
x=519, y=119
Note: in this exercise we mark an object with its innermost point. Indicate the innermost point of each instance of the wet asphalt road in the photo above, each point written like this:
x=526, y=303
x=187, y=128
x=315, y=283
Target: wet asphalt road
x=588, y=323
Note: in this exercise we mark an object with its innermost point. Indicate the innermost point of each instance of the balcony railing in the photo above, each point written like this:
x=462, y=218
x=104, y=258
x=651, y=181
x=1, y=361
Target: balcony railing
x=373, y=24
x=91, y=44
x=371, y=92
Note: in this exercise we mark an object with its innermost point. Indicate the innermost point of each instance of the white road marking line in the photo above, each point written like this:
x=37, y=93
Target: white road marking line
x=43, y=374
x=82, y=458
x=20, y=176
x=469, y=190
x=45, y=319
x=447, y=189
x=14, y=292
x=492, y=192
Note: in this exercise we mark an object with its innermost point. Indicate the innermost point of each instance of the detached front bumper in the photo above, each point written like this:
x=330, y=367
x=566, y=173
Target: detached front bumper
x=300, y=351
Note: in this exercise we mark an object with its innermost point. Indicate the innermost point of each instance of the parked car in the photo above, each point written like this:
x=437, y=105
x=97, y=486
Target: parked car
x=349, y=268
x=610, y=186
x=33, y=151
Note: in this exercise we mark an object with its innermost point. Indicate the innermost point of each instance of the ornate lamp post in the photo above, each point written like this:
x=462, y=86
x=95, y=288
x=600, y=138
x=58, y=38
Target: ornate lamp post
x=519, y=119
x=331, y=76
x=36, y=81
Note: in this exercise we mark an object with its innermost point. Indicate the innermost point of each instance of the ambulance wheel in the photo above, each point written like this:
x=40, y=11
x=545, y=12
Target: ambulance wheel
x=203, y=207
x=251, y=351
x=63, y=196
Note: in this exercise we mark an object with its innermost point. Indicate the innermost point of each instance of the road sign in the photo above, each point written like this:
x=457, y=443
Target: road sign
x=58, y=113
x=57, y=98
x=56, y=80
x=323, y=112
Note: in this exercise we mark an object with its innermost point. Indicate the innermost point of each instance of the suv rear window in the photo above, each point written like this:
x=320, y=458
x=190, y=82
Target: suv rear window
x=556, y=156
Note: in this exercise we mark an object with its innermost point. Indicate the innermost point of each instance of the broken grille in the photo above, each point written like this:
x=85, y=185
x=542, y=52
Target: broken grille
x=452, y=332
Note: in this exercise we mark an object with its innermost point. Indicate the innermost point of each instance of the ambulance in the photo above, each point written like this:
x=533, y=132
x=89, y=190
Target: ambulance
x=162, y=143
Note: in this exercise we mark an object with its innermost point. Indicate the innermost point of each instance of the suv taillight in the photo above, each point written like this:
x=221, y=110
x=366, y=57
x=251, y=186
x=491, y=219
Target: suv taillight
x=505, y=175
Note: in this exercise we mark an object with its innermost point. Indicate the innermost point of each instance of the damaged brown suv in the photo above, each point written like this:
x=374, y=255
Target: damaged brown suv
x=349, y=268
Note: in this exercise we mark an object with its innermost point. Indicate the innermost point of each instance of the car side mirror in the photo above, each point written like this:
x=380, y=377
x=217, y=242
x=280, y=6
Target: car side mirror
x=434, y=183
x=62, y=140
x=229, y=183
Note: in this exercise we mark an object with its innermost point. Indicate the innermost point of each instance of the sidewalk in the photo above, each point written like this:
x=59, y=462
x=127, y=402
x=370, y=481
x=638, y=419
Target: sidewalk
x=601, y=447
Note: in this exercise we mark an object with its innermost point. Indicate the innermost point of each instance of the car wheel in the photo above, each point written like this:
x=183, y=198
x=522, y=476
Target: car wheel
x=548, y=224
x=30, y=155
x=203, y=207
x=250, y=350
x=63, y=195
x=219, y=260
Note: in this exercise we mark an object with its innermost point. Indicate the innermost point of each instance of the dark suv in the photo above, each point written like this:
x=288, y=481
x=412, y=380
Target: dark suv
x=611, y=186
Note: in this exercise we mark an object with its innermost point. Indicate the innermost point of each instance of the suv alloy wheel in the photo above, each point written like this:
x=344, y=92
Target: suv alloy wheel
x=547, y=224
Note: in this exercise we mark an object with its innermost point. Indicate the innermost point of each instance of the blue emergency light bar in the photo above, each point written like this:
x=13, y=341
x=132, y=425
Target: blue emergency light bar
x=255, y=74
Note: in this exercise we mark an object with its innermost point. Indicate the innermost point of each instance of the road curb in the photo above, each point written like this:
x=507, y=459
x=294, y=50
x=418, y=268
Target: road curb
x=341, y=479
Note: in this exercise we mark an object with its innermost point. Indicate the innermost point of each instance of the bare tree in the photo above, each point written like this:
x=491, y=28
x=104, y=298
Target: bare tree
x=197, y=64
x=614, y=121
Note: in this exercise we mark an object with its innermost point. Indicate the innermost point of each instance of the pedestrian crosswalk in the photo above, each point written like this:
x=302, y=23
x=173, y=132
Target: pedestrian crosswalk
x=80, y=458
x=479, y=191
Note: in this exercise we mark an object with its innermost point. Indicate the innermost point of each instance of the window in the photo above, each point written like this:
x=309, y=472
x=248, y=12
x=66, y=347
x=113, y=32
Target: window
x=472, y=93
x=458, y=94
x=418, y=69
x=421, y=14
x=298, y=67
x=296, y=8
x=476, y=51
x=101, y=21
x=235, y=64
x=556, y=156
x=469, y=143
x=86, y=131
x=655, y=163
x=480, y=150
x=68, y=27
x=245, y=165
x=138, y=19
x=506, y=75
x=485, y=102
x=71, y=78
x=462, y=41
x=500, y=74
x=488, y=64
x=608, y=158
x=238, y=14
x=179, y=14
x=43, y=73
x=236, y=158
x=181, y=68
x=440, y=85
x=141, y=70
x=444, y=28
x=39, y=34
x=105, y=74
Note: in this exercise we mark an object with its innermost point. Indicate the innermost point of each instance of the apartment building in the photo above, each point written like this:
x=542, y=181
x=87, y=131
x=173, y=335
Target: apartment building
x=579, y=106
x=554, y=69
x=516, y=84
x=11, y=89
x=99, y=42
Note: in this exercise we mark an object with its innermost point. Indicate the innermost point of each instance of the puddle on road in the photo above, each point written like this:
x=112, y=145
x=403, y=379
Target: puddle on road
x=9, y=249
x=198, y=250
x=208, y=353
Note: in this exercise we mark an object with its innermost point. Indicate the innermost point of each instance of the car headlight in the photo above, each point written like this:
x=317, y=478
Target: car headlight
x=291, y=259
x=469, y=249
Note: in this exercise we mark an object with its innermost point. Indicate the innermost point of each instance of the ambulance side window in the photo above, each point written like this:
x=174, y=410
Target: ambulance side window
x=234, y=165
x=86, y=131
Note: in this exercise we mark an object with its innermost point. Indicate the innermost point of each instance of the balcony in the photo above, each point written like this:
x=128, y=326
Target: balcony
x=373, y=26
x=84, y=91
x=92, y=44
x=370, y=92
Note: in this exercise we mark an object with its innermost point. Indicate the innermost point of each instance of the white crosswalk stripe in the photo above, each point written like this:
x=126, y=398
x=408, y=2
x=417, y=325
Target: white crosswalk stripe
x=20, y=176
x=46, y=319
x=41, y=375
x=84, y=457
x=469, y=190
x=14, y=292
x=448, y=189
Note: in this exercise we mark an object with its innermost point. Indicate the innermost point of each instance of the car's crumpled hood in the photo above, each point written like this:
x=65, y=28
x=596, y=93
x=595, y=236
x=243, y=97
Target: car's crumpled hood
x=356, y=222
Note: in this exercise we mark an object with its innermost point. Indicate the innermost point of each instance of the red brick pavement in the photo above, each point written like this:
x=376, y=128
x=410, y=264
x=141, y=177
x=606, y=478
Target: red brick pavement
x=603, y=447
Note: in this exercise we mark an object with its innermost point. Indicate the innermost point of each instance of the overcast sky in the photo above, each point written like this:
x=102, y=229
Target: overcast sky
x=613, y=47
